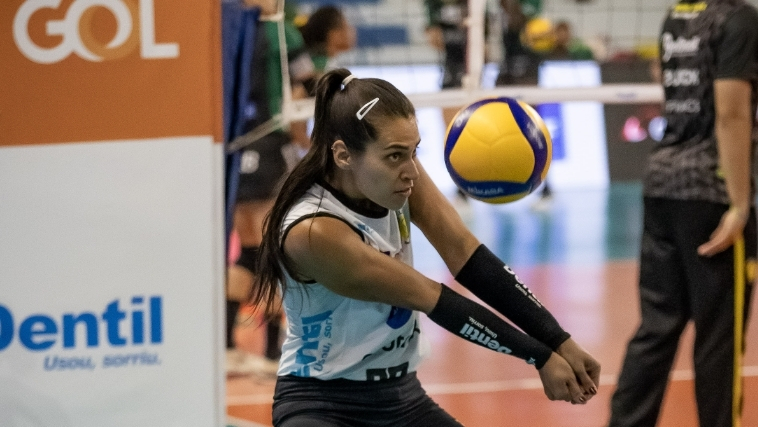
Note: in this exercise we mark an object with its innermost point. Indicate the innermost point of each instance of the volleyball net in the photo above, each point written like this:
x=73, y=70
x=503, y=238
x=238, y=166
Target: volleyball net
x=611, y=97
x=392, y=44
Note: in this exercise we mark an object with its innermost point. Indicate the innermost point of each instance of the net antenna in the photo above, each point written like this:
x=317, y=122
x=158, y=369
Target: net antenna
x=474, y=57
x=284, y=117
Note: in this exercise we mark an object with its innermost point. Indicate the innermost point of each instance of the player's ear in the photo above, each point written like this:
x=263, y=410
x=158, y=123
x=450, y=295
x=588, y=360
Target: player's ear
x=341, y=154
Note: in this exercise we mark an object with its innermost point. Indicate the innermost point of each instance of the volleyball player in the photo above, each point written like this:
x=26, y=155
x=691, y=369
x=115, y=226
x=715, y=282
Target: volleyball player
x=337, y=248
x=699, y=218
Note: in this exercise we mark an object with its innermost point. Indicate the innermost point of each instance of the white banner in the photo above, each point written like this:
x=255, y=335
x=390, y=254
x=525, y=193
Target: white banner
x=111, y=263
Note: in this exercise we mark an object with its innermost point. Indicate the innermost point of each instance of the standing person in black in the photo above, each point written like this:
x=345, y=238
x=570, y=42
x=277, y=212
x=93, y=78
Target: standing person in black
x=699, y=236
x=520, y=62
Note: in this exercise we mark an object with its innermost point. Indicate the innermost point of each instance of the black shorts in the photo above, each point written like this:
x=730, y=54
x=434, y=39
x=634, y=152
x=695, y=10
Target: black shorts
x=263, y=167
x=398, y=402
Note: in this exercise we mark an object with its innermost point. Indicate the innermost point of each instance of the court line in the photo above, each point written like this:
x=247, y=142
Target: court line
x=239, y=422
x=484, y=386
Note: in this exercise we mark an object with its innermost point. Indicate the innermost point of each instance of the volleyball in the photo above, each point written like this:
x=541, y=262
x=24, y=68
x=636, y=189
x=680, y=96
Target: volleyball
x=497, y=150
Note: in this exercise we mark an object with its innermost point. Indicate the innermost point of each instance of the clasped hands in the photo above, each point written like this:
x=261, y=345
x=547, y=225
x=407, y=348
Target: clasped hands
x=571, y=374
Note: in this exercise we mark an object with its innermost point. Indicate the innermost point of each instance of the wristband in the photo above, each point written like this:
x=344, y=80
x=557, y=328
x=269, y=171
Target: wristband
x=487, y=277
x=472, y=321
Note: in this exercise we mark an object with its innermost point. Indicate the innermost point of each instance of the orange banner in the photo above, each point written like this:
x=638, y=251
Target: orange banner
x=93, y=70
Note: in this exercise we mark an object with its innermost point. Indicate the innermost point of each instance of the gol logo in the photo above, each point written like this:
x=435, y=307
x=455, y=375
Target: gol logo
x=135, y=26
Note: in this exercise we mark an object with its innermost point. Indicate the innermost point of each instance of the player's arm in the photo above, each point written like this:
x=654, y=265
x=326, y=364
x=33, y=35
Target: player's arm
x=329, y=251
x=733, y=125
x=733, y=128
x=487, y=277
x=475, y=267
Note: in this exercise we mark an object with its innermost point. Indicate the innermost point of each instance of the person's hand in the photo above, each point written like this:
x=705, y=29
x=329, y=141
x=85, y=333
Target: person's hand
x=434, y=37
x=559, y=381
x=585, y=367
x=729, y=229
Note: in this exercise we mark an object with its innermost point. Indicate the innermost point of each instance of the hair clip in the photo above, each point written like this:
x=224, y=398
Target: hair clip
x=347, y=80
x=366, y=108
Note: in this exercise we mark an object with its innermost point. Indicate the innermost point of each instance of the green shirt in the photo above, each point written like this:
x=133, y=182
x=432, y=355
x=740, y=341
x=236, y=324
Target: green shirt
x=294, y=41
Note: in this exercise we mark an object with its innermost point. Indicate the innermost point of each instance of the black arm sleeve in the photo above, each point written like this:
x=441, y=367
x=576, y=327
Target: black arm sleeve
x=471, y=321
x=487, y=277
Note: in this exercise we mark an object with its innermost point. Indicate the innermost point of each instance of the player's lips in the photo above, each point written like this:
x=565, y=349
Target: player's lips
x=406, y=192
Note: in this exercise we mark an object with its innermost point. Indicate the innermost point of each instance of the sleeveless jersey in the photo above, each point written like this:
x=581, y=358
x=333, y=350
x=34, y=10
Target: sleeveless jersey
x=330, y=336
x=684, y=165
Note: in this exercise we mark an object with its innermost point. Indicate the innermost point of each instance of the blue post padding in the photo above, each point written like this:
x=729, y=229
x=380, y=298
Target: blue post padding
x=238, y=30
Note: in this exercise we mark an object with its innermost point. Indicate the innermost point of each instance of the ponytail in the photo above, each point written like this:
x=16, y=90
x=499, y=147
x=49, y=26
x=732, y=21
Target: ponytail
x=316, y=165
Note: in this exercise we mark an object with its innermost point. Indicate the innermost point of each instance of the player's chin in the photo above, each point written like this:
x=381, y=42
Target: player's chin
x=398, y=199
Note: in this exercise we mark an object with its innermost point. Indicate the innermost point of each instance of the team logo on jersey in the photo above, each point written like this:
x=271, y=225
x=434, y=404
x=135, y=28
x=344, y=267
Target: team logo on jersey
x=679, y=47
x=312, y=354
x=405, y=231
x=250, y=161
x=398, y=317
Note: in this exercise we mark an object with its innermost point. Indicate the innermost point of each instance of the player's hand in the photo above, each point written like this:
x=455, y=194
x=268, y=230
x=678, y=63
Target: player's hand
x=559, y=381
x=434, y=37
x=585, y=367
x=729, y=229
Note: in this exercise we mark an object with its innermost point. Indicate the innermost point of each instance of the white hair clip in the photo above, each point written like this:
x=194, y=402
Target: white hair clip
x=347, y=80
x=366, y=108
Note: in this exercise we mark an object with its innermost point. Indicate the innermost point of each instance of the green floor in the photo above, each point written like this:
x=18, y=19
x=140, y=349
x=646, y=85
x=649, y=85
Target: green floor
x=577, y=226
x=582, y=226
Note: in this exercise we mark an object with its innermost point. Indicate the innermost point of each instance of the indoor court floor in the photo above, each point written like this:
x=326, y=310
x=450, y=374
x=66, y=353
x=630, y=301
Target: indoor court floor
x=579, y=257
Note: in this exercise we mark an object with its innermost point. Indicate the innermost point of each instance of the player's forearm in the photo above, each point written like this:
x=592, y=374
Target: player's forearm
x=733, y=128
x=442, y=226
x=487, y=277
x=472, y=321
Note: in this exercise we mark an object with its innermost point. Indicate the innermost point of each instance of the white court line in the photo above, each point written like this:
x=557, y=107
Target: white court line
x=239, y=422
x=484, y=386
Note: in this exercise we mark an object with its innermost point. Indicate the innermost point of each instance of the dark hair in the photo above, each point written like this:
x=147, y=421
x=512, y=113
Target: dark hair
x=323, y=20
x=335, y=119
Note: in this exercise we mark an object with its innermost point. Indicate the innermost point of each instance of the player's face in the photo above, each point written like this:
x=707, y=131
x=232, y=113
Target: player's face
x=385, y=172
x=341, y=38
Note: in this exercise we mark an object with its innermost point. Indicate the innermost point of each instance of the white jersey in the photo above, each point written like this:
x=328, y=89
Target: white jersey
x=330, y=336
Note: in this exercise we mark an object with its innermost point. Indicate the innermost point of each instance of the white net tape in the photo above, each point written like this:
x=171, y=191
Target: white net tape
x=605, y=94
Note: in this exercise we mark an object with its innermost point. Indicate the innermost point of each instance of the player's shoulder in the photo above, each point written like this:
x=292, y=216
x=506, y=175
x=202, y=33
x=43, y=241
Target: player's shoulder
x=744, y=17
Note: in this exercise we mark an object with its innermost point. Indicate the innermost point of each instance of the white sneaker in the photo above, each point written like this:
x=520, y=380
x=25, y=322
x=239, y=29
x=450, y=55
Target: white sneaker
x=240, y=362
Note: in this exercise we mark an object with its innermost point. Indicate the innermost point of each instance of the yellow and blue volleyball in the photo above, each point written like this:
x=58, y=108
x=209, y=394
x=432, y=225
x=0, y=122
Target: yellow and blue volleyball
x=497, y=150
